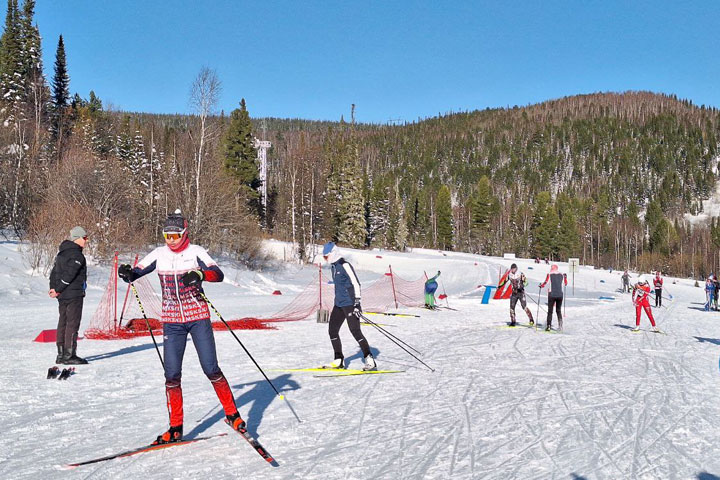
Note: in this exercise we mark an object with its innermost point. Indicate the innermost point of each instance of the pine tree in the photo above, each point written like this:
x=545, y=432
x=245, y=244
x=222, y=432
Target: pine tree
x=568, y=239
x=60, y=127
x=351, y=206
x=483, y=207
x=240, y=157
x=445, y=224
x=542, y=202
x=548, y=233
x=12, y=88
x=378, y=215
x=61, y=79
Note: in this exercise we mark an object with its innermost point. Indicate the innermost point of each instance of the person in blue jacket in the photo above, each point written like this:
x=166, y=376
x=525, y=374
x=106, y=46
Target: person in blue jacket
x=431, y=286
x=347, y=307
x=709, y=292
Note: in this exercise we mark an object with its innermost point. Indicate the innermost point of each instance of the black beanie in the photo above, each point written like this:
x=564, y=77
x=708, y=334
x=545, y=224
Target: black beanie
x=513, y=266
x=175, y=222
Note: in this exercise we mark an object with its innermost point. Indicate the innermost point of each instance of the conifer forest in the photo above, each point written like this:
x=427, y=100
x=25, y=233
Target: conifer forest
x=616, y=179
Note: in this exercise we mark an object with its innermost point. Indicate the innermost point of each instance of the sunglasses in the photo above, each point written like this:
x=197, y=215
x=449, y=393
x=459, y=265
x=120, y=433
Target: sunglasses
x=173, y=235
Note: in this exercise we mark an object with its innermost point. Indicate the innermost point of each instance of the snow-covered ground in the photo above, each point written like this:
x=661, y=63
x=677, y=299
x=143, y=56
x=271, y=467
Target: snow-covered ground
x=596, y=402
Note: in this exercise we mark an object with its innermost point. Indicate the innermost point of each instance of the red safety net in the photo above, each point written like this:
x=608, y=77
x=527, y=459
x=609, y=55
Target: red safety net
x=389, y=291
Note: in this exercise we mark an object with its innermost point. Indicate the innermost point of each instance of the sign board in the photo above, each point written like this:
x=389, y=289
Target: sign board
x=509, y=256
x=573, y=265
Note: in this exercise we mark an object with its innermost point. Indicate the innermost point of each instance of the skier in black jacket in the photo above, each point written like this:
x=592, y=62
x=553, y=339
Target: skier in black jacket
x=67, y=283
x=347, y=307
x=555, y=295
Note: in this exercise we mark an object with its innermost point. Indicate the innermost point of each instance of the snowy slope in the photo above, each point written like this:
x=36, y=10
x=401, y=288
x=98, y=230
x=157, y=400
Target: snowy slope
x=597, y=402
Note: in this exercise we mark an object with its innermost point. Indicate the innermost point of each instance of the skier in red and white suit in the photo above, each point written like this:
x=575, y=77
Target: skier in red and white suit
x=641, y=299
x=182, y=267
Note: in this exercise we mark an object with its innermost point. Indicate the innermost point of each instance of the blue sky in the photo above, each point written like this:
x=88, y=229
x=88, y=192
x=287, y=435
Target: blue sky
x=393, y=59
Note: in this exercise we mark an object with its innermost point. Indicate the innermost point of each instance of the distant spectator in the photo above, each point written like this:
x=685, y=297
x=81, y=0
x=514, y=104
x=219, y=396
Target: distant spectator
x=68, y=280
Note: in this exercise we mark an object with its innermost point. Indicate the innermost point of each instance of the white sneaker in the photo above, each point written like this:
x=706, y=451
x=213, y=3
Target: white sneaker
x=370, y=363
x=338, y=363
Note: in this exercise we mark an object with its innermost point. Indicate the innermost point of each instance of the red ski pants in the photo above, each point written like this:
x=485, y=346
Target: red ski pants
x=640, y=305
x=174, y=341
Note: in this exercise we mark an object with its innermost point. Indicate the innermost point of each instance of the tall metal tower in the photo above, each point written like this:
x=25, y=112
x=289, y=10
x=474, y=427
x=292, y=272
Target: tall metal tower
x=262, y=148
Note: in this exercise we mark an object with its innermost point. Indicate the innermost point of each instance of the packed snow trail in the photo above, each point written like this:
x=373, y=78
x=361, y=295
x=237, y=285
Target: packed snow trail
x=596, y=401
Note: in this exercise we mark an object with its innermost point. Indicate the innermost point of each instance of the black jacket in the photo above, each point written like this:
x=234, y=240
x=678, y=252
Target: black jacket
x=69, y=274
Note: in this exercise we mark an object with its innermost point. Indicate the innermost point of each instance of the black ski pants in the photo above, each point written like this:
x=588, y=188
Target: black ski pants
x=658, y=297
x=69, y=323
x=337, y=317
x=557, y=303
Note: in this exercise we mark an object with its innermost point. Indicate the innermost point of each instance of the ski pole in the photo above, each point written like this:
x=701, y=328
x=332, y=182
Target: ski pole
x=376, y=325
x=282, y=397
x=536, y=303
x=538, y=309
x=396, y=343
x=147, y=322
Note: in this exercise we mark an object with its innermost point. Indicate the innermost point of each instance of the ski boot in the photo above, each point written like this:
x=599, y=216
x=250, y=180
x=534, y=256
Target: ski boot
x=65, y=374
x=53, y=372
x=61, y=354
x=71, y=358
x=547, y=327
x=636, y=329
x=530, y=317
x=236, y=422
x=512, y=324
x=338, y=363
x=174, y=434
x=369, y=364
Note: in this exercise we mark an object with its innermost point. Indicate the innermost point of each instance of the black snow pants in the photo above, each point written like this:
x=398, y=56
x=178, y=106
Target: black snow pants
x=337, y=317
x=69, y=323
x=557, y=303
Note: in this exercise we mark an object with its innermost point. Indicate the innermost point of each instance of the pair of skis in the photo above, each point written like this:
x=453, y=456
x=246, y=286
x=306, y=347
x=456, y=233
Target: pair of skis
x=150, y=448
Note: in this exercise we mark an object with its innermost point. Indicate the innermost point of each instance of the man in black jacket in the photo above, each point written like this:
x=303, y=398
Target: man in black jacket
x=67, y=283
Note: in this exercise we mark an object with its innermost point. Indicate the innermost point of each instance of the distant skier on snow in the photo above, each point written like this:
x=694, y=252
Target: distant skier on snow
x=709, y=292
x=347, y=307
x=641, y=300
x=518, y=281
x=431, y=286
x=625, y=282
x=555, y=295
x=658, y=284
x=182, y=267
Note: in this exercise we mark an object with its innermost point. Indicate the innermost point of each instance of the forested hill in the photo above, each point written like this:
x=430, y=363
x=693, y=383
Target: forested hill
x=591, y=164
x=633, y=146
x=605, y=177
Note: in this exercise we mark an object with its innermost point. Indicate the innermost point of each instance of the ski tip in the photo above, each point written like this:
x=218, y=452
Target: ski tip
x=282, y=397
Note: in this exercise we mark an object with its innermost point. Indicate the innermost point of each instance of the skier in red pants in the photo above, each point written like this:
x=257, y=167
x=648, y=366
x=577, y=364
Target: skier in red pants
x=182, y=267
x=641, y=299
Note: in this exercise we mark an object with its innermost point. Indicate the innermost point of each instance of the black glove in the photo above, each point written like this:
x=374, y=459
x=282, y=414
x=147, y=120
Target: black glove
x=357, y=309
x=193, y=277
x=125, y=272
